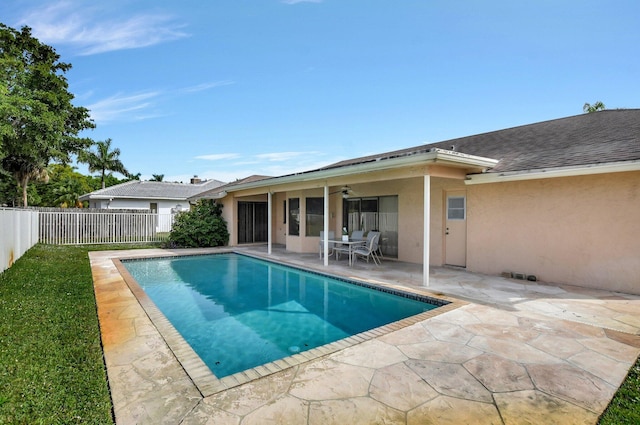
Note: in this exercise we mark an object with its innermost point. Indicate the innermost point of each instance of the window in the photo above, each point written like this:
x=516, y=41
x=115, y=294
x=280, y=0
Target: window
x=374, y=213
x=314, y=216
x=294, y=216
x=456, y=208
x=153, y=206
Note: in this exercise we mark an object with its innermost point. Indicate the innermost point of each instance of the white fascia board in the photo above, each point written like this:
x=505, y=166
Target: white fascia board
x=436, y=156
x=217, y=195
x=546, y=173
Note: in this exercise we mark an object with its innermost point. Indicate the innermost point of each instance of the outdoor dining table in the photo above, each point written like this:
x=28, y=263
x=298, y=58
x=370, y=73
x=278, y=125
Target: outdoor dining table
x=351, y=246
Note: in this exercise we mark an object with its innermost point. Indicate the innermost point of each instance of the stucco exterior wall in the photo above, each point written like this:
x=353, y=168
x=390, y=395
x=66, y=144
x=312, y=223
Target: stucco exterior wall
x=230, y=216
x=278, y=225
x=578, y=230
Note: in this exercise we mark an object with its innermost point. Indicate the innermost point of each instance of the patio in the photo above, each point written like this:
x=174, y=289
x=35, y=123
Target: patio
x=514, y=352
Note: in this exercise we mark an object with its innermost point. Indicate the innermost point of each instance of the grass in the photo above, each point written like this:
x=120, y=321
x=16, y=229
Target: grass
x=624, y=409
x=51, y=364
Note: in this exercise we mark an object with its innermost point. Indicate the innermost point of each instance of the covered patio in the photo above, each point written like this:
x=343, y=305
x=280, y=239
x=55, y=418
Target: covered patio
x=406, y=197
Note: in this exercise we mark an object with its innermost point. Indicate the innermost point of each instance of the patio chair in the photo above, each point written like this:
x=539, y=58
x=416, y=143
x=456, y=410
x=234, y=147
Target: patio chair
x=357, y=235
x=377, y=253
x=331, y=244
x=369, y=249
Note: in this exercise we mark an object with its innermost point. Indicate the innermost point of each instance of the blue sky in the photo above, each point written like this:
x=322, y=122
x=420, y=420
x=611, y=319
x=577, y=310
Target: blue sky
x=228, y=88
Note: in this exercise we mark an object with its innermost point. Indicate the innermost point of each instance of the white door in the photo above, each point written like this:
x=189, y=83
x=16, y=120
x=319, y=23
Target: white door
x=456, y=229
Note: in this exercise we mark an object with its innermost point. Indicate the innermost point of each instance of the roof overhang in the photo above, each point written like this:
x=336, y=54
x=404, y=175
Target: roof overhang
x=546, y=173
x=433, y=156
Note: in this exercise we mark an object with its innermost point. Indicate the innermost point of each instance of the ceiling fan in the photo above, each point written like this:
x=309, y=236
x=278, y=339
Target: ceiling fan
x=345, y=190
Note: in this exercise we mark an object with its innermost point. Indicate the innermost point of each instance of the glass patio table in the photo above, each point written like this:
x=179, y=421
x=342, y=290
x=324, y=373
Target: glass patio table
x=347, y=247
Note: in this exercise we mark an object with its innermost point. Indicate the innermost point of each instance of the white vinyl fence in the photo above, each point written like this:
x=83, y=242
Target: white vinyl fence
x=76, y=227
x=18, y=233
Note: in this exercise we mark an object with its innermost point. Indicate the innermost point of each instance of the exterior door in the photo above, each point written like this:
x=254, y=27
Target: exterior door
x=456, y=229
x=252, y=222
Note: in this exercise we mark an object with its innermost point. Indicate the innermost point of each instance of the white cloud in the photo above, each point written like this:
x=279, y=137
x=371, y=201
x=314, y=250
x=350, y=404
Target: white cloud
x=84, y=28
x=283, y=156
x=140, y=106
x=119, y=107
x=217, y=157
x=207, y=86
x=300, y=1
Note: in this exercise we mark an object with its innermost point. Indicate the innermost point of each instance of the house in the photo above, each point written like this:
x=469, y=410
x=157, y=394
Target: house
x=158, y=197
x=555, y=201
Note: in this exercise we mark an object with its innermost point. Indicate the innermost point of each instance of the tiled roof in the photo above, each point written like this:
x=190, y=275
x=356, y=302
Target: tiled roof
x=137, y=189
x=595, y=138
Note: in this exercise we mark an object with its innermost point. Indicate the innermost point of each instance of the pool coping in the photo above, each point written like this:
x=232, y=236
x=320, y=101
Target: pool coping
x=205, y=380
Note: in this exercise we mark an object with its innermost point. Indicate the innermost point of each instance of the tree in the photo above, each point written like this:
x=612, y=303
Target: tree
x=65, y=187
x=103, y=159
x=203, y=226
x=68, y=193
x=157, y=177
x=598, y=106
x=38, y=122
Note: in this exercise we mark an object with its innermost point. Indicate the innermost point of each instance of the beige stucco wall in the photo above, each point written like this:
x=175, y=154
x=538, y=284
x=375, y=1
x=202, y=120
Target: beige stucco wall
x=579, y=230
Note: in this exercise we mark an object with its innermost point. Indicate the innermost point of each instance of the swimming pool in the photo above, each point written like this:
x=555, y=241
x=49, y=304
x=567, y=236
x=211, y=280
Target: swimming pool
x=239, y=312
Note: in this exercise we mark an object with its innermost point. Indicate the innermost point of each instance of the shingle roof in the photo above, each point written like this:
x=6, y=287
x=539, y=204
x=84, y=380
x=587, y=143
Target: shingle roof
x=137, y=189
x=595, y=138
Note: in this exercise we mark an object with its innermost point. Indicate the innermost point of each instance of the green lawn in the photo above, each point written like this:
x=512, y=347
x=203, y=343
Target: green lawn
x=51, y=365
x=624, y=409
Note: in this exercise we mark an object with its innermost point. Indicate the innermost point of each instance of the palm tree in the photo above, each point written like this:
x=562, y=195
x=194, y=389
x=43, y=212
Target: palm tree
x=103, y=160
x=68, y=193
x=598, y=106
x=156, y=177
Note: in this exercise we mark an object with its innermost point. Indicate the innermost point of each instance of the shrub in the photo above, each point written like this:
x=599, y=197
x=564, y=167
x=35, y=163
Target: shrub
x=203, y=226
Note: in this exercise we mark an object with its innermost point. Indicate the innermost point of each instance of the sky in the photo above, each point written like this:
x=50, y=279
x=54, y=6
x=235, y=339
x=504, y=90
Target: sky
x=224, y=89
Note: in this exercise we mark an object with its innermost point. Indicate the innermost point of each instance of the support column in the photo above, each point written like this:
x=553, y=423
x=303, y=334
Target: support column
x=269, y=220
x=427, y=230
x=326, y=225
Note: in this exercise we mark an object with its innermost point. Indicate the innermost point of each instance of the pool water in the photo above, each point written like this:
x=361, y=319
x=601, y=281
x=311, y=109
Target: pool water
x=239, y=312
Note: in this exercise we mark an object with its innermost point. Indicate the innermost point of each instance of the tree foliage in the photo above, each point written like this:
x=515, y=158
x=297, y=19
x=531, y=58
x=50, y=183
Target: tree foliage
x=203, y=226
x=597, y=106
x=103, y=159
x=63, y=189
x=38, y=122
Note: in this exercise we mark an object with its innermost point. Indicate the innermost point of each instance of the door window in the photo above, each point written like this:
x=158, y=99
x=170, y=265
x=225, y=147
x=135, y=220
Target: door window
x=456, y=208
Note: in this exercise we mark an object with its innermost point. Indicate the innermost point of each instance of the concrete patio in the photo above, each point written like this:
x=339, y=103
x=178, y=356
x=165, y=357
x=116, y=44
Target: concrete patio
x=513, y=352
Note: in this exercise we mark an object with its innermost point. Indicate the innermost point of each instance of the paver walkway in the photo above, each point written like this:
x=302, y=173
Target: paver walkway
x=520, y=354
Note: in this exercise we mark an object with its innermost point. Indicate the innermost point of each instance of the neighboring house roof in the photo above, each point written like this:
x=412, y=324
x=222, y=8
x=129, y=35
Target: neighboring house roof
x=595, y=138
x=137, y=189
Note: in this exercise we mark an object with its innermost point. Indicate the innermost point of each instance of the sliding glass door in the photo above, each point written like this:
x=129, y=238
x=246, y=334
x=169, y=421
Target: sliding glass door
x=374, y=213
x=252, y=222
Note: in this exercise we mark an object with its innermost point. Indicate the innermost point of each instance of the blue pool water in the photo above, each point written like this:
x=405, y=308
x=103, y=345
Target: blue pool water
x=238, y=312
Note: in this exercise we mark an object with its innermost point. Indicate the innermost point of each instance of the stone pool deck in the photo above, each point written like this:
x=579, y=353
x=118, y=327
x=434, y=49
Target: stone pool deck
x=512, y=353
